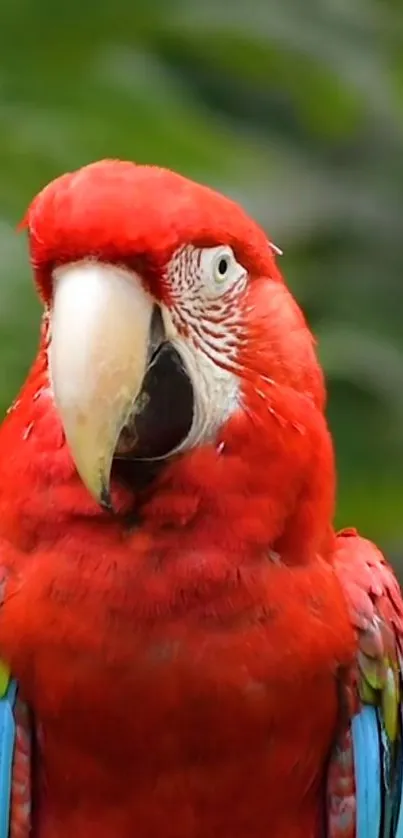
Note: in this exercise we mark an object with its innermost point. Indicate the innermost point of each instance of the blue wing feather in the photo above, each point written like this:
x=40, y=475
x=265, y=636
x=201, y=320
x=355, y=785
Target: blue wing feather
x=7, y=742
x=367, y=771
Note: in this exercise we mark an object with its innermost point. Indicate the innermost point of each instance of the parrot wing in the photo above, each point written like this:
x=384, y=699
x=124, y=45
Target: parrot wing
x=15, y=749
x=15, y=761
x=365, y=778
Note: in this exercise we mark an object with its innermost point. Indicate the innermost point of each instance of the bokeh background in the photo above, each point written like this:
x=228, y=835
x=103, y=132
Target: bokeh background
x=294, y=107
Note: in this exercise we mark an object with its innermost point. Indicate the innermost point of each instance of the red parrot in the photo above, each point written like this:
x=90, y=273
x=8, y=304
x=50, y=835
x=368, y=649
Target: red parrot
x=197, y=653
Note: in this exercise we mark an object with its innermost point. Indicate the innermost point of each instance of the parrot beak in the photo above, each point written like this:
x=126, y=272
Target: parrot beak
x=120, y=386
x=100, y=326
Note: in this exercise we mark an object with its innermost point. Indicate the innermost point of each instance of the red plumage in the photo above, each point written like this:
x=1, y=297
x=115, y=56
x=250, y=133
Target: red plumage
x=184, y=669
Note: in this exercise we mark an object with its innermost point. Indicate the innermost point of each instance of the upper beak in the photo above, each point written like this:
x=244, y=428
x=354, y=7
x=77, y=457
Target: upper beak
x=98, y=354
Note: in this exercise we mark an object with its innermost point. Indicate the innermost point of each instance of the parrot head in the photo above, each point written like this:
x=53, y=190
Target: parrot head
x=170, y=326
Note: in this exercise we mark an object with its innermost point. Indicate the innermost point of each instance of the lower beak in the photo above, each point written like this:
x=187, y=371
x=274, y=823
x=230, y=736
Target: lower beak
x=100, y=328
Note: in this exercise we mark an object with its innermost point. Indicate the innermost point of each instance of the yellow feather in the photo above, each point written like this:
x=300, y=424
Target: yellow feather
x=4, y=678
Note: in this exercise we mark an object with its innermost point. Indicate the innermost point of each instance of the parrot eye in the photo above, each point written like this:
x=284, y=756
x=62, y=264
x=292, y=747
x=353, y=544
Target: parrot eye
x=220, y=268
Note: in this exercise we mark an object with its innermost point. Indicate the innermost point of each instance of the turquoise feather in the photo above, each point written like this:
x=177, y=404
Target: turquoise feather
x=7, y=741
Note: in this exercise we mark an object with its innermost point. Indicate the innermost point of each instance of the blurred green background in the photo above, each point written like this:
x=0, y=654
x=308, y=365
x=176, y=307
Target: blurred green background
x=294, y=107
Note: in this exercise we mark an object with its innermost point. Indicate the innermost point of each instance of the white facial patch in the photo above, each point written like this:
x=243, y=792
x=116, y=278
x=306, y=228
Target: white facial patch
x=204, y=324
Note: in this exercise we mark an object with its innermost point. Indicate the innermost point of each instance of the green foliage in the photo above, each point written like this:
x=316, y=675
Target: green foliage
x=294, y=108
